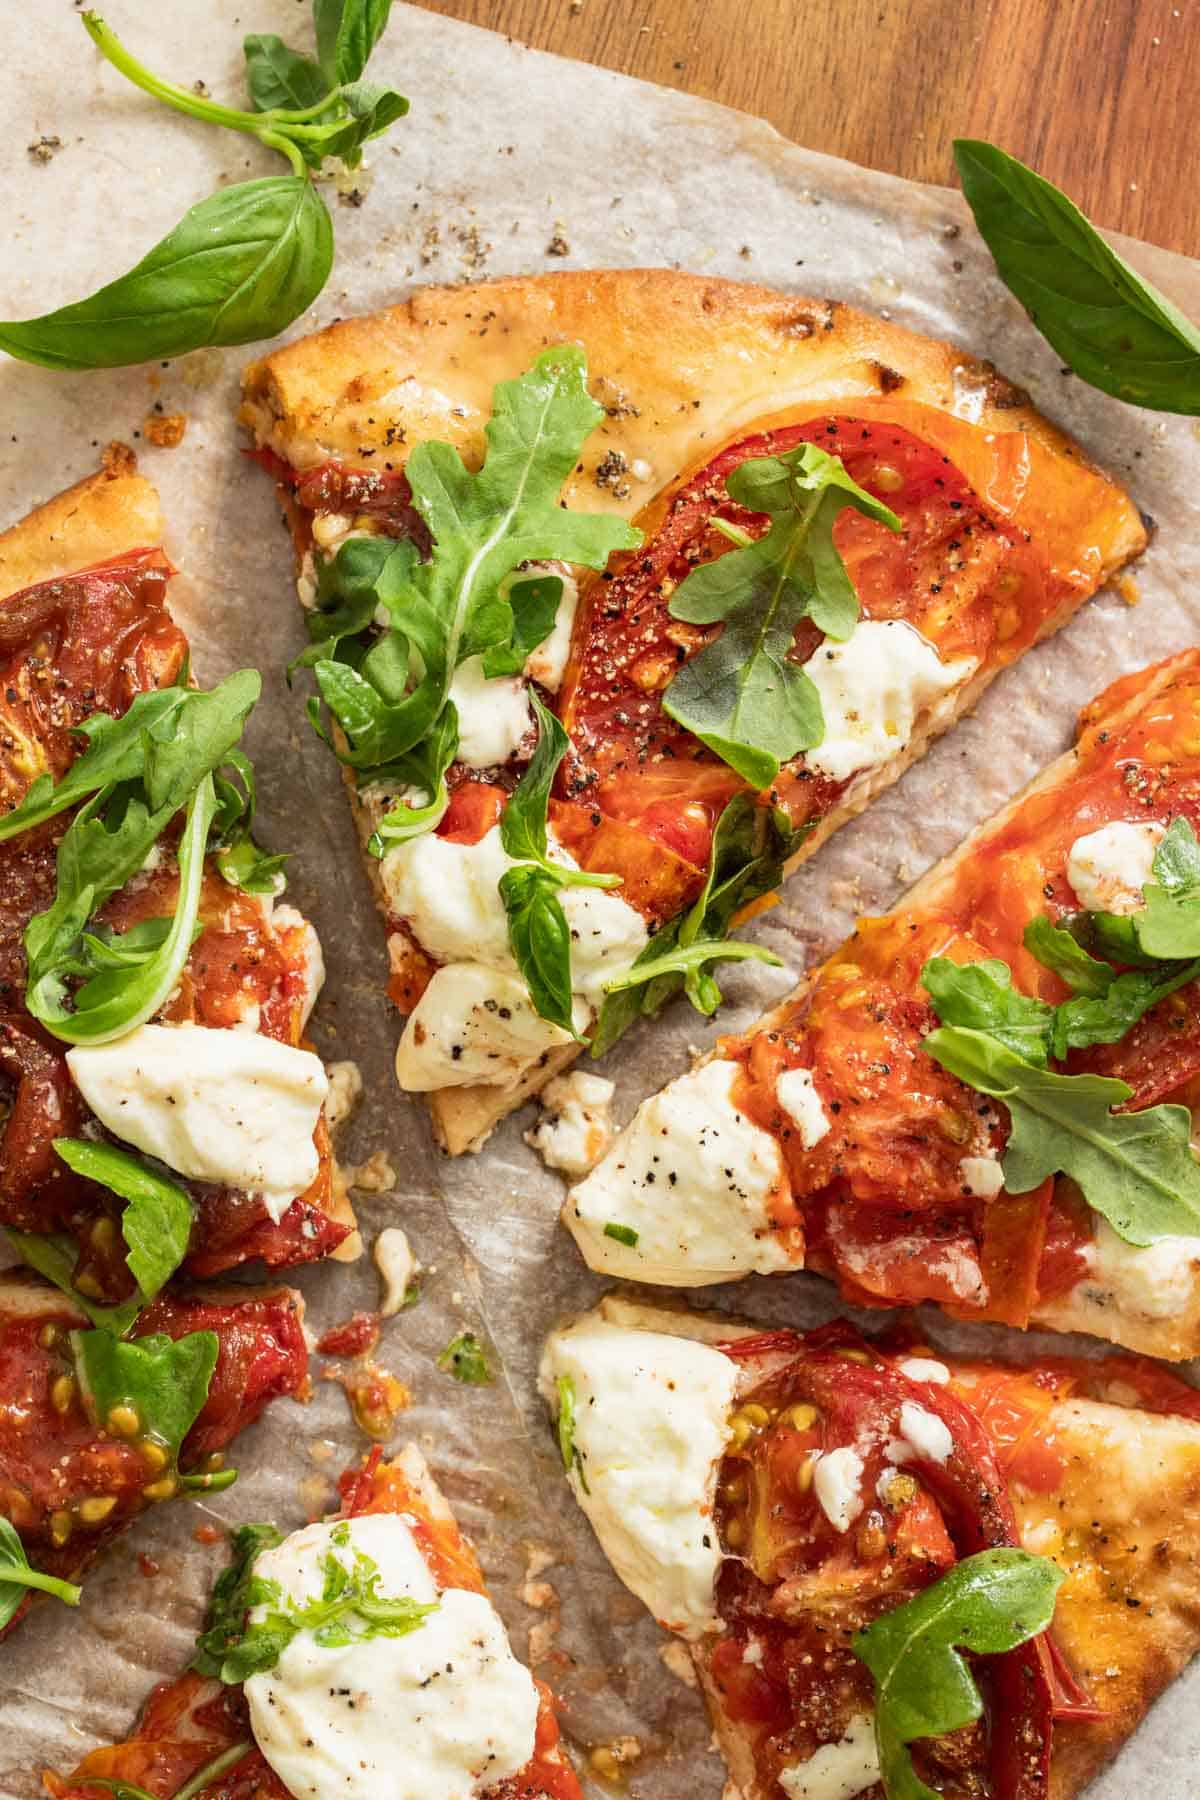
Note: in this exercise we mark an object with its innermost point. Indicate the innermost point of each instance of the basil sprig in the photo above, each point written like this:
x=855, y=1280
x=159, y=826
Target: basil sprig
x=538, y=933
x=986, y=1604
x=350, y=1608
x=87, y=984
x=244, y=263
x=17, y=1577
x=751, y=847
x=399, y=727
x=743, y=695
x=157, y=1220
x=1114, y=330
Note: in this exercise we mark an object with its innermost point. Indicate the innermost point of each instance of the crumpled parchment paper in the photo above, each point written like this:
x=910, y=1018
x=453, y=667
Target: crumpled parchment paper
x=506, y=152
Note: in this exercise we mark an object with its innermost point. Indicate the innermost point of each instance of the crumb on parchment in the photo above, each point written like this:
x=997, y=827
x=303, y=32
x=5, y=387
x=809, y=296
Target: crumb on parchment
x=164, y=430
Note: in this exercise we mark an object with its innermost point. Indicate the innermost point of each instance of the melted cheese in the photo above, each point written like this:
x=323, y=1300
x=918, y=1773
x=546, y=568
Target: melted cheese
x=800, y=1100
x=651, y=1423
x=836, y=1771
x=441, y=1713
x=493, y=714
x=837, y=1483
x=982, y=1176
x=228, y=1107
x=873, y=687
x=1146, y=1282
x=695, y=1179
x=393, y=1257
x=1109, y=868
x=547, y=664
x=473, y=1024
x=575, y=1128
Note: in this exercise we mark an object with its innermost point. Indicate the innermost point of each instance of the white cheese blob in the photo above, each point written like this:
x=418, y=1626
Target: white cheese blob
x=493, y=714
x=575, y=1128
x=228, y=1107
x=449, y=895
x=393, y=1256
x=694, y=1178
x=286, y=918
x=800, y=1100
x=928, y=1435
x=442, y=1713
x=1109, y=868
x=924, y=1368
x=547, y=664
x=873, y=687
x=837, y=1483
x=837, y=1771
x=472, y=1024
x=651, y=1423
x=982, y=1176
x=1151, y=1281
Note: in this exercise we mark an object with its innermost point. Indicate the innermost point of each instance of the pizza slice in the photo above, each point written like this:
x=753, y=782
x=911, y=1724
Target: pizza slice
x=983, y=1099
x=829, y=1521
x=360, y=1656
x=95, y=1429
x=150, y=983
x=555, y=723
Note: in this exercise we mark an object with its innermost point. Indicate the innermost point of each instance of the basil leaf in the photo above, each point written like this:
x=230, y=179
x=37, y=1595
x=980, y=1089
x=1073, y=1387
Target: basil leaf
x=239, y=266
x=17, y=1577
x=1116, y=331
x=484, y=525
x=540, y=940
x=535, y=602
x=279, y=77
x=742, y=695
x=1169, y=924
x=165, y=1380
x=54, y=1255
x=347, y=32
x=464, y=1358
x=981, y=997
x=1135, y=1168
x=225, y=1621
x=372, y=110
x=986, y=1604
x=157, y=1221
x=751, y=846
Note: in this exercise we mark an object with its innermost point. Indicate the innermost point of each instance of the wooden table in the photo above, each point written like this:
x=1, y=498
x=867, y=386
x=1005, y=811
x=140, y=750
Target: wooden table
x=1101, y=96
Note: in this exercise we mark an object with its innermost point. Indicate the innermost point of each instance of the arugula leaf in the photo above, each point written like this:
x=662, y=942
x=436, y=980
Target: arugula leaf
x=17, y=1577
x=567, y=1447
x=465, y=1358
x=1169, y=924
x=165, y=1380
x=347, y=32
x=535, y=601
x=156, y=1222
x=986, y=1604
x=1105, y=1004
x=54, y=1255
x=981, y=997
x=1057, y=948
x=278, y=77
x=225, y=1621
x=422, y=772
x=114, y=1001
x=484, y=526
x=751, y=846
x=1116, y=331
x=742, y=695
x=1135, y=1168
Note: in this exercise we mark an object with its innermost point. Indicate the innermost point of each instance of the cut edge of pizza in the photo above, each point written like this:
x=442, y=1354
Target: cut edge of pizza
x=674, y=1448
x=426, y=1664
x=692, y=377
x=707, y=1184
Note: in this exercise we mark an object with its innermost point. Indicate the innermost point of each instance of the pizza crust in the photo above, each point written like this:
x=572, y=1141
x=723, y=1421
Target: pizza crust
x=1125, y=1526
x=683, y=364
x=108, y=514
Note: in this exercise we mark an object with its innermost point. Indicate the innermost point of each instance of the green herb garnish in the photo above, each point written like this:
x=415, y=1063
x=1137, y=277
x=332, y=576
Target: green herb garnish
x=247, y=261
x=623, y=1234
x=399, y=727
x=1116, y=331
x=54, y=1255
x=986, y=1605
x=751, y=847
x=742, y=695
x=464, y=1358
x=17, y=1577
x=157, y=1221
x=567, y=1447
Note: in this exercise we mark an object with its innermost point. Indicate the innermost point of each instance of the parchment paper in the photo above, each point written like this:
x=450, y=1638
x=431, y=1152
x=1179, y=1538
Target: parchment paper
x=505, y=151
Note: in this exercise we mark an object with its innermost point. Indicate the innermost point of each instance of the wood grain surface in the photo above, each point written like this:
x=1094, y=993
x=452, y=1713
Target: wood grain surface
x=1101, y=96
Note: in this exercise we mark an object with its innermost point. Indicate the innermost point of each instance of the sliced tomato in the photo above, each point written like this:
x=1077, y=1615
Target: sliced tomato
x=1012, y=1241
x=475, y=807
